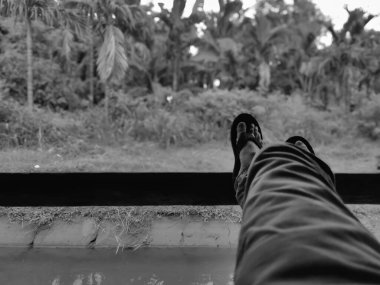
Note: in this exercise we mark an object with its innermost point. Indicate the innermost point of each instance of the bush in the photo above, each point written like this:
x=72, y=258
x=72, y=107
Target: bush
x=213, y=111
x=181, y=118
x=20, y=128
x=369, y=119
x=146, y=118
x=187, y=119
x=290, y=116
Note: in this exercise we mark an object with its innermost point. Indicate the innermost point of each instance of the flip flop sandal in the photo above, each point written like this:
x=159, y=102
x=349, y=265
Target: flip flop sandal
x=295, y=139
x=237, y=146
x=324, y=166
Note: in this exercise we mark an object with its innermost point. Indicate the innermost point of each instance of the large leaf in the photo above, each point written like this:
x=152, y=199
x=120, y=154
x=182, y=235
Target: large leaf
x=112, y=60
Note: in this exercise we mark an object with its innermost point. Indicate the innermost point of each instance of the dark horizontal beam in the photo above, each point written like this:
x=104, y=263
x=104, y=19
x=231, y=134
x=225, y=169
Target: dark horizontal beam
x=137, y=189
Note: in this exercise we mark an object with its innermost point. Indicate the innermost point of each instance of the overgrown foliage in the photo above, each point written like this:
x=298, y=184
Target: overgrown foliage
x=112, y=65
x=186, y=120
x=21, y=128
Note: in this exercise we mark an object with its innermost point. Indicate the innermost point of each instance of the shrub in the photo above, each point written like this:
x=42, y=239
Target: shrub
x=189, y=119
x=150, y=118
x=369, y=119
x=213, y=111
x=185, y=119
x=291, y=116
x=20, y=128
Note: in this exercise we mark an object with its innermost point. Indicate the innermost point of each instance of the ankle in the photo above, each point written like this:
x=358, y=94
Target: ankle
x=246, y=155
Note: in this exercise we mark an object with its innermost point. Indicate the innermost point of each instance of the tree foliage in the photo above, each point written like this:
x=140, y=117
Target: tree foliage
x=85, y=51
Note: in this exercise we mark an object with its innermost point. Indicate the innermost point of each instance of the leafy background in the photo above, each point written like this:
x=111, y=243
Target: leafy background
x=79, y=78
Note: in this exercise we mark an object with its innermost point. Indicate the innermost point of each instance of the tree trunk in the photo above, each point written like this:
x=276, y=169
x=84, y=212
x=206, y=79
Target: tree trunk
x=150, y=83
x=29, y=54
x=175, y=38
x=264, y=72
x=176, y=66
x=106, y=101
x=91, y=64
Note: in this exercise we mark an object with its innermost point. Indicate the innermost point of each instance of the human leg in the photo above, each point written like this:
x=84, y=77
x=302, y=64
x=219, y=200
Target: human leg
x=296, y=229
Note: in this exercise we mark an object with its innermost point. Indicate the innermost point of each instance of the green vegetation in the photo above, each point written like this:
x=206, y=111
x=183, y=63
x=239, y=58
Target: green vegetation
x=112, y=85
x=80, y=76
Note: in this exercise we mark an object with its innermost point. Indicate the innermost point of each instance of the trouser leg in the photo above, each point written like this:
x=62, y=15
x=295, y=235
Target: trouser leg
x=295, y=227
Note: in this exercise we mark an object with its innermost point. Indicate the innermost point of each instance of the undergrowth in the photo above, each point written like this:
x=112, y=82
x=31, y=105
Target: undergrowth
x=181, y=119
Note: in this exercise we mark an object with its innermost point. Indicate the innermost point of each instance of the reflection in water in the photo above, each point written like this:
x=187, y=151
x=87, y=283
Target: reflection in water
x=96, y=279
x=146, y=266
x=92, y=279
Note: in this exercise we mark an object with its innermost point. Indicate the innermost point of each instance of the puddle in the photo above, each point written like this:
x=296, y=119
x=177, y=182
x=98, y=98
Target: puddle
x=151, y=266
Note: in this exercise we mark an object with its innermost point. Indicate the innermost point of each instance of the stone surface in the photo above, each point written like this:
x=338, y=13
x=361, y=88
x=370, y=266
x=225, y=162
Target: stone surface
x=171, y=232
x=190, y=232
x=15, y=235
x=79, y=233
x=369, y=216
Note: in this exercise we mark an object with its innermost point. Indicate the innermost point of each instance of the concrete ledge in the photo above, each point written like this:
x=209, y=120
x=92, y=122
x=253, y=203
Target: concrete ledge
x=170, y=232
x=86, y=233
x=16, y=235
x=80, y=233
x=189, y=232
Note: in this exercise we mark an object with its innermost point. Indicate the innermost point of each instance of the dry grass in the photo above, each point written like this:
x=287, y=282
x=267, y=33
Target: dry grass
x=349, y=155
x=135, y=217
x=134, y=157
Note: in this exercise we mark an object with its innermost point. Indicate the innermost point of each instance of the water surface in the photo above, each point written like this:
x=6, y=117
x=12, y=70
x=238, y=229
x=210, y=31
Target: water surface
x=152, y=266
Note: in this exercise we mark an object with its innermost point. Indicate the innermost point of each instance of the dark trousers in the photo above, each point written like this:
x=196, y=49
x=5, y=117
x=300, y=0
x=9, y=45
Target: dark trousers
x=295, y=227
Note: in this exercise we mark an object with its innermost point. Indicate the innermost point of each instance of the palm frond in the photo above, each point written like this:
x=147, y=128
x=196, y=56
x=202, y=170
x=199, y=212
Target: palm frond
x=77, y=23
x=14, y=8
x=112, y=60
x=125, y=14
x=79, y=4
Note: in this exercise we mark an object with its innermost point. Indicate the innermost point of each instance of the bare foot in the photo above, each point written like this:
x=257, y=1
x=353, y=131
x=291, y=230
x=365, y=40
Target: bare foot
x=301, y=145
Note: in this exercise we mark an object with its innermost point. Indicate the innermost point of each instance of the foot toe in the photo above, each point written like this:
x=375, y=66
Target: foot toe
x=301, y=145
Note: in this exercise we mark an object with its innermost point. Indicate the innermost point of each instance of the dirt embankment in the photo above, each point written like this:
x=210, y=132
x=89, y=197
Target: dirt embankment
x=131, y=227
